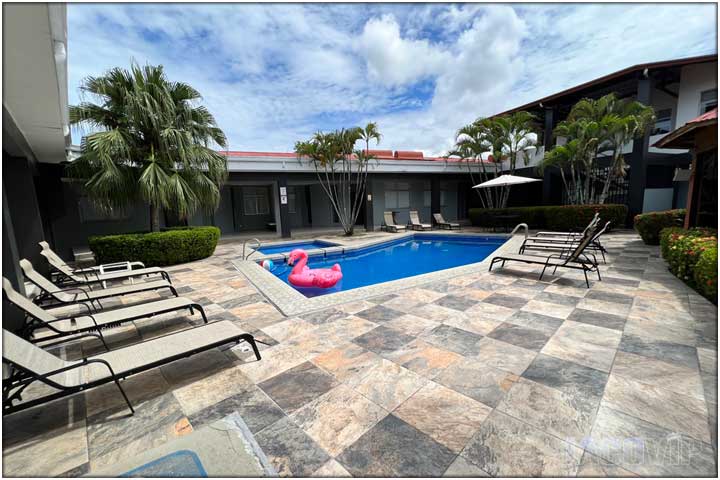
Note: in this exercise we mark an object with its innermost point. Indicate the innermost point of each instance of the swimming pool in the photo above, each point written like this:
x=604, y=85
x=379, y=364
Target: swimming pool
x=402, y=258
x=287, y=247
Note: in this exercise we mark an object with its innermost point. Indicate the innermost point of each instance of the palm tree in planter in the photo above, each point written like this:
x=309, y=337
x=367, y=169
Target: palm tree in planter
x=150, y=141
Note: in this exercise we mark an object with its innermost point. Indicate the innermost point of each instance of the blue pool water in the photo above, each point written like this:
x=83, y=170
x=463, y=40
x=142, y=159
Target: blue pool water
x=399, y=259
x=288, y=247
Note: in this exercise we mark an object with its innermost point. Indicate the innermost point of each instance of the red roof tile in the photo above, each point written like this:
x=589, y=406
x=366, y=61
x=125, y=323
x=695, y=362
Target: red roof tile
x=705, y=116
x=399, y=154
x=380, y=154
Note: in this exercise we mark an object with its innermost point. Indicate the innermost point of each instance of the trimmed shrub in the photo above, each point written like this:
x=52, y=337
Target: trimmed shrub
x=157, y=249
x=648, y=225
x=556, y=217
x=692, y=257
x=706, y=274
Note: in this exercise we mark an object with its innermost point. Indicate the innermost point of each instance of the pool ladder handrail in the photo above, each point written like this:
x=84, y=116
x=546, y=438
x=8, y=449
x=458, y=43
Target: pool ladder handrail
x=520, y=225
x=255, y=247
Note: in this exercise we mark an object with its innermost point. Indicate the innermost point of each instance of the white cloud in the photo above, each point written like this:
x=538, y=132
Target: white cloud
x=275, y=73
x=394, y=60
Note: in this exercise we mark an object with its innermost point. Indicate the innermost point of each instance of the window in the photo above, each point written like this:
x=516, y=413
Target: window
x=444, y=198
x=397, y=199
x=663, y=121
x=255, y=201
x=427, y=198
x=708, y=100
x=292, y=200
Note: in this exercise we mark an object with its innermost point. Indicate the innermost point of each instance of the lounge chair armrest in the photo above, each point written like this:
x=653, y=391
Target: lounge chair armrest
x=45, y=376
x=73, y=317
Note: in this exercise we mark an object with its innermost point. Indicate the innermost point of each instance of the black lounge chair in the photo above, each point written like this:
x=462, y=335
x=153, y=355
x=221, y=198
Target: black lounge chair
x=90, y=323
x=440, y=220
x=573, y=256
x=541, y=245
x=54, y=295
x=29, y=364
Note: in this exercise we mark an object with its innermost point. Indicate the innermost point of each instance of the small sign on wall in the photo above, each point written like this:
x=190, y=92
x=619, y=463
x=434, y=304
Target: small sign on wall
x=283, y=199
x=283, y=193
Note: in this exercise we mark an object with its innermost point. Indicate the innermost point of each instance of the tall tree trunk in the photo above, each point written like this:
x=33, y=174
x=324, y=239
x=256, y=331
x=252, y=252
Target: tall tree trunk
x=610, y=177
x=154, y=218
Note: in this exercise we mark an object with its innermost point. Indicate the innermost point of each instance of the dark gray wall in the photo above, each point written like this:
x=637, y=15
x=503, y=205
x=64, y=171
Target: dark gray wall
x=19, y=190
x=12, y=318
x=67, y=230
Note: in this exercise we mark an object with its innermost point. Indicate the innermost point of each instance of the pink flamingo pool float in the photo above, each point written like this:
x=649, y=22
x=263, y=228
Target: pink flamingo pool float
x=302, y=276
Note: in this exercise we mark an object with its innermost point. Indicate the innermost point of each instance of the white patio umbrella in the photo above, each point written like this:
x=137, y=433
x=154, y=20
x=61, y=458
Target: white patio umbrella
x=506, y=181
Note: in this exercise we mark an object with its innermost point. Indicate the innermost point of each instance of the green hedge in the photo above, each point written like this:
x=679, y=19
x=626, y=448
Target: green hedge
x=648, y=225
x=561, y=218
x=170, y=247
x=692, y=257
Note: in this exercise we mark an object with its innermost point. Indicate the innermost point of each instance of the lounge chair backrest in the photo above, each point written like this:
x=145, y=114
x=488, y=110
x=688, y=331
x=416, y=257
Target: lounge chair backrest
x=35, y=277
x=439, y=218
x=414, y=218
x=601, y=231
x=57, y=262
x=592, y=223
x=28, y=356
x=586, y=239
x=389, y=219
x=24, y=303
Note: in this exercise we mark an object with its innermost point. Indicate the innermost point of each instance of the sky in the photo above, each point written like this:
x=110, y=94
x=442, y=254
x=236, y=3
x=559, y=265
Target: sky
x=273, y=74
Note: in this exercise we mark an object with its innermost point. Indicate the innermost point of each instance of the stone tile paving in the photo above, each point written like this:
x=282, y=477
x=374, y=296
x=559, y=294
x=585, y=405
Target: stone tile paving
x=482, y=374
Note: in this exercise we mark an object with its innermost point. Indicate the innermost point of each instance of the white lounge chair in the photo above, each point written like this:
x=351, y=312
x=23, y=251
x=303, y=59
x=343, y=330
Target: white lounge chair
x=29, y=364
x=415, y=222
x=390, y=224
x=445, y=224
x=54, y=327
x=91, y=275
x=61, y=295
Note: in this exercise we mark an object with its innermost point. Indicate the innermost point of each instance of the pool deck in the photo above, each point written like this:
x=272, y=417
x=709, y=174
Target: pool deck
x=482, y=373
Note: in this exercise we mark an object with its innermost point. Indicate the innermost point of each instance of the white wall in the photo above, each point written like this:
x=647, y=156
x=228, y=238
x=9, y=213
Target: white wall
x=694, y=79
x=657, y=199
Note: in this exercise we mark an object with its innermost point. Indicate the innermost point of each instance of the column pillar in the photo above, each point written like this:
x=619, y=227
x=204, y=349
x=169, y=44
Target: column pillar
x=639, y=155
x=284, y=207
x=435, y=195
x=369, y=200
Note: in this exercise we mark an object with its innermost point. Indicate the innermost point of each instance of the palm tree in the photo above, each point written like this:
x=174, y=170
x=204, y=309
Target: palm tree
x=626, y=121
x=602, y=126
x=150, y=141
x=504, y=137
x=341, y=170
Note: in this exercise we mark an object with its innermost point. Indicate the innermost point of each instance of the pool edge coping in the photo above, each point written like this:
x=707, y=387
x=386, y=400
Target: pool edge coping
x=290, y=302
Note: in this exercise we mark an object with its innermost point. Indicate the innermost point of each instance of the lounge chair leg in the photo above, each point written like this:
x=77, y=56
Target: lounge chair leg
x=542, y=273
x=598, y=274
x=202, y=312
x=587, y=282
x=252, y=343
x=132, y=410
x=102, y=339
x=172, y=289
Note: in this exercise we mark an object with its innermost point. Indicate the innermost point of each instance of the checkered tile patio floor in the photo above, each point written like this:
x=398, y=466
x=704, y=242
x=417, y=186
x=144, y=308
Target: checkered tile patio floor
x=484, y=374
